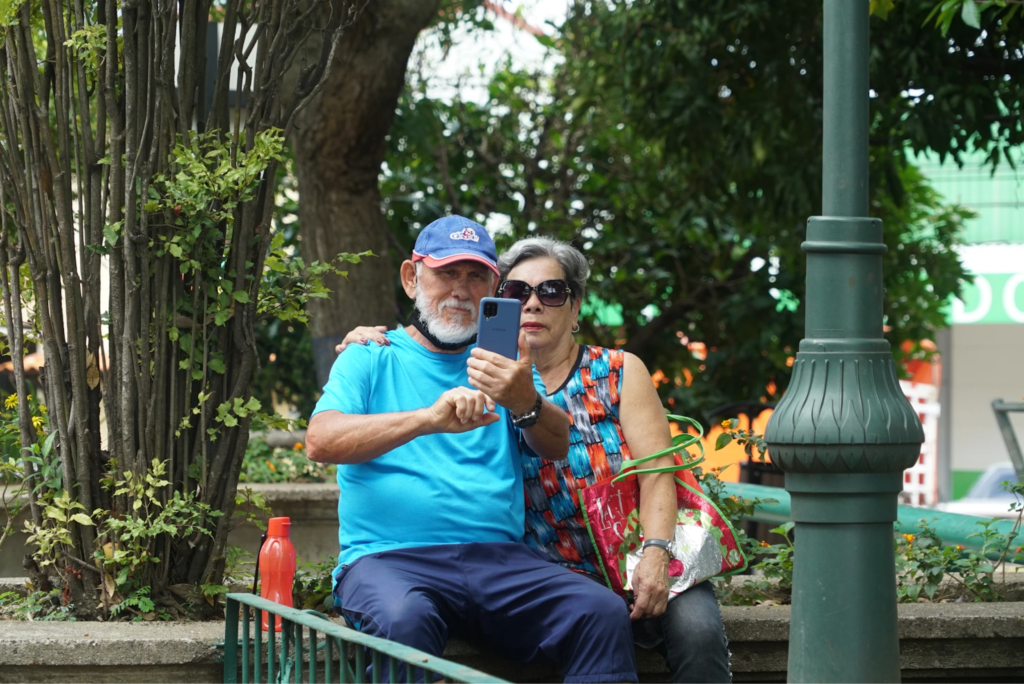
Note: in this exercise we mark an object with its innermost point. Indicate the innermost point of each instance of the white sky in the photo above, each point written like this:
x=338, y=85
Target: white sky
x=477, y=54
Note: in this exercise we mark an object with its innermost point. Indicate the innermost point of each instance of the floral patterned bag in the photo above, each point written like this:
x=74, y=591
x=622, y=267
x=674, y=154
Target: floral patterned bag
x=704, y=544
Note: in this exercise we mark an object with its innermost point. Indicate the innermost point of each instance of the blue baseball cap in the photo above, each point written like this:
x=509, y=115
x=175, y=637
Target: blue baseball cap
x=455, y=238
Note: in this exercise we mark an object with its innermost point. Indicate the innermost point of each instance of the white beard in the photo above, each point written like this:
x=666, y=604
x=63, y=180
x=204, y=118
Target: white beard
x=443, y=330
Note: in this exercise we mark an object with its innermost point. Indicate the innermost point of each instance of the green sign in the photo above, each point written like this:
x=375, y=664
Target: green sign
x=991, y=298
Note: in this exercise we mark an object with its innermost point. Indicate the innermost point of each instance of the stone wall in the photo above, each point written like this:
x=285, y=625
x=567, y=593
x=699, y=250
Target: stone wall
x=938, y=642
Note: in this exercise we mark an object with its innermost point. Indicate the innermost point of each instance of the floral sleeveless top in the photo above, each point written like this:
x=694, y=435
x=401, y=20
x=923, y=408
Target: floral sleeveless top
x=554, y=522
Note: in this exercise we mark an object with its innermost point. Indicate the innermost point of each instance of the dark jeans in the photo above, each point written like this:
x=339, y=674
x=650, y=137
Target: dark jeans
x=690, y=635
x=506, y=596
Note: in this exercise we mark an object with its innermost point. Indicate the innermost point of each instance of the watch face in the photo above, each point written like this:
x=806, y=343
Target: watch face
x=526, y=420
x=530, y=417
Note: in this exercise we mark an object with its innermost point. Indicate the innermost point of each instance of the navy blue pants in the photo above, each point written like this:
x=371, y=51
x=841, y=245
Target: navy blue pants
x=504, y=596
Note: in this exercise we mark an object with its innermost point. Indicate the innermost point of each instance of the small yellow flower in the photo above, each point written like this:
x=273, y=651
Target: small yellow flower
x=959, y=547
x=765, y=544
x=37, y=423
x=271, y=466
x=11, y=401
x=910, y=538
x=727, y=423
x=298, y=446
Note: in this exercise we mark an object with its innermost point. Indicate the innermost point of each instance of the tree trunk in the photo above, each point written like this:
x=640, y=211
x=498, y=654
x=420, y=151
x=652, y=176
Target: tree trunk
x=339, y=146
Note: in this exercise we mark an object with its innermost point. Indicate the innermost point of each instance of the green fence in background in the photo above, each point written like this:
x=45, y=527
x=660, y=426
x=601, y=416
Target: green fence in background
x=311, y=648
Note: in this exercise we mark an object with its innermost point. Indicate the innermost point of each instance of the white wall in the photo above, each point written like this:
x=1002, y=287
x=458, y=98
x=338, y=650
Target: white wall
x=987, y=363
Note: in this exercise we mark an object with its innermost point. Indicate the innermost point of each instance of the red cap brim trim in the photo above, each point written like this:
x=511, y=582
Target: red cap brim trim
x=438, y=263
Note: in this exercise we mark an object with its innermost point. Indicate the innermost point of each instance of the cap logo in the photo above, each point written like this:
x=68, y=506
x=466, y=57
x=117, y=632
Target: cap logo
x=465, y=234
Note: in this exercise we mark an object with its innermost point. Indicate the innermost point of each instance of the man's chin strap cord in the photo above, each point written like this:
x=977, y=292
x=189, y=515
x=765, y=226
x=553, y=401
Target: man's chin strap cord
x=417, y=322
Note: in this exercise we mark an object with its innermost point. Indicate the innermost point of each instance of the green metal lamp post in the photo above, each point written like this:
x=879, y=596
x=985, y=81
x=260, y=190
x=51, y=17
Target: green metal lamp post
x=843, y=433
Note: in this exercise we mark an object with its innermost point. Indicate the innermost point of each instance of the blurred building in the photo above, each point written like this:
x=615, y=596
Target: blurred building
x=981, y=349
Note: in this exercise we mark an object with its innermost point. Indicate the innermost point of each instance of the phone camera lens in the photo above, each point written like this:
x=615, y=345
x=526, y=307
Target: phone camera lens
x=490, y=309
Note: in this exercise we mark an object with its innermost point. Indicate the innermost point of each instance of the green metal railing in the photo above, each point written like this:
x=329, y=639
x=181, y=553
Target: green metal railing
x=310, y=647
x=952, y=528
x=1003, y=410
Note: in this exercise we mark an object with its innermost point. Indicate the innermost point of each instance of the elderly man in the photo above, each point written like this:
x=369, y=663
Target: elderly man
x=428, y=435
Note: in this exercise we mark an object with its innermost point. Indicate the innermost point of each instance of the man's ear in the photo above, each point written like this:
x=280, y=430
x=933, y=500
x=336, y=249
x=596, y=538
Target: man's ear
x=408, y=273
x=495, y=280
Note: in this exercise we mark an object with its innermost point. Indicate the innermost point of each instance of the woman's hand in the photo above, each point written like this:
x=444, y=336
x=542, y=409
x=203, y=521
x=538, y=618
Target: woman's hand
x=650, y=584
x=362, y=335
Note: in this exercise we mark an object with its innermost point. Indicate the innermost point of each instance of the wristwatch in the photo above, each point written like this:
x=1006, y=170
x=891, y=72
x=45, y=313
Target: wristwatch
x=660, y=543
x=530, y=418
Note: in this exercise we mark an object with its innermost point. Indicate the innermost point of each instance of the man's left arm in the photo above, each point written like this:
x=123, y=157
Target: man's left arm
x=509, y=383
x=549, y=436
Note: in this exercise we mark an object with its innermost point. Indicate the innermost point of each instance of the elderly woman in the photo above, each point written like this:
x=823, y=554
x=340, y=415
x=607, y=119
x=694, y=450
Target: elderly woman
x=616, y=415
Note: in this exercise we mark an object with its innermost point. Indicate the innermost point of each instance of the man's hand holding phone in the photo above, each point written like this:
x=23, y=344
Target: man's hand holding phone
x=508, y=382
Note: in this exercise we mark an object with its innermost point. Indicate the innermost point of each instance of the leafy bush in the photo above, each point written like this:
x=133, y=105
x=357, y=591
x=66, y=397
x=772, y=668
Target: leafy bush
x=263, y=463
x=926, y=567
x=44, y=606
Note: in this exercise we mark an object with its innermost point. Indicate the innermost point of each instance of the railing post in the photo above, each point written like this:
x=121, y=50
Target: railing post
x=231, y=641
x=844, y=432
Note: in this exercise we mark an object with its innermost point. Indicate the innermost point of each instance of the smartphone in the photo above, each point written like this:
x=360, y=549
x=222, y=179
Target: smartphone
x=498, y=325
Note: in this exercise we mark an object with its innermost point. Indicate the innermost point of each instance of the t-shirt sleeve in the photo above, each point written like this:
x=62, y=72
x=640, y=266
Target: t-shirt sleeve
x=348, y=387
x=538, y=382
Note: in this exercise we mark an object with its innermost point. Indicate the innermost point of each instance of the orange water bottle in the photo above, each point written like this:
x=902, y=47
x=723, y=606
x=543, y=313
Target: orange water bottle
x=277, y=566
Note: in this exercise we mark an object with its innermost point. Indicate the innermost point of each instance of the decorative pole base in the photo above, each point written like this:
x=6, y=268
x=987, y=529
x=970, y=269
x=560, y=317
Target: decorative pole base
x=844, y=433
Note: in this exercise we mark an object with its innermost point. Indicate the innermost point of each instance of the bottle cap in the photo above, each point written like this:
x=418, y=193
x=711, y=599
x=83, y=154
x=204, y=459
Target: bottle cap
x=278, y=527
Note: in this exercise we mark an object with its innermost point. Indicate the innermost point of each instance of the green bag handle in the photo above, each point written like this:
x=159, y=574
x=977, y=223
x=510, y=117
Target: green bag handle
x=679, y=443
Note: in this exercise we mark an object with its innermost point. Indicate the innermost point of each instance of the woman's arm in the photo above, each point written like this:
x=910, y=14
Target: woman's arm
x=646, y=431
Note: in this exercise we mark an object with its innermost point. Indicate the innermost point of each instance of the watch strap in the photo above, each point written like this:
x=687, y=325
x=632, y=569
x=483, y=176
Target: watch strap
x=660, y=543
x=529, y=418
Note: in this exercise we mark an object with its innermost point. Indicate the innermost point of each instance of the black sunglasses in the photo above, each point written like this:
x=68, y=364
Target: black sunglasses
x=549, y=292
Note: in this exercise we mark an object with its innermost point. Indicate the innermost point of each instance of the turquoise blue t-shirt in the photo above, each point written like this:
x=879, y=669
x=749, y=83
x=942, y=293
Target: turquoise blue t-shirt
x=435, y=489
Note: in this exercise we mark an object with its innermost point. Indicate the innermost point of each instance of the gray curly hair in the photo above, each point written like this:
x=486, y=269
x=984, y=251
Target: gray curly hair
x=573, y=263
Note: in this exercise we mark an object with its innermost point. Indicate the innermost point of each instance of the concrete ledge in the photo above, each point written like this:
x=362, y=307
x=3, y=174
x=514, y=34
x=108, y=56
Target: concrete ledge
x=110, y=652
x=938, y=642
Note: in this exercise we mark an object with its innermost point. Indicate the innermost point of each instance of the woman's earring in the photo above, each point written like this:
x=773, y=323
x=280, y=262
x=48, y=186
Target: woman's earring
x=576, y=327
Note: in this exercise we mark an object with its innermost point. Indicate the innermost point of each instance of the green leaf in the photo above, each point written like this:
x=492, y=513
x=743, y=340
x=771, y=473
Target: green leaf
x=83, y=519
x=217, y=366
x=545, y=40
x=971, y=14
x=241, y=296
x=723, y=441
x=112, y=233
x=48, y=444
